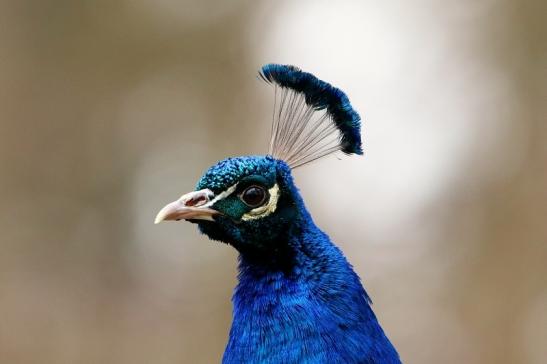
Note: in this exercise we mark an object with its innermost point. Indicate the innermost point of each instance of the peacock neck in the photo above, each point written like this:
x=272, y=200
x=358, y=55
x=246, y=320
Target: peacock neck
x=305, y=257
x=305, y=303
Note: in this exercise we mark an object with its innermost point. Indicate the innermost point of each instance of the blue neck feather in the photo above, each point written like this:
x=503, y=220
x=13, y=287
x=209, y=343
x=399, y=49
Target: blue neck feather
x=298, y=299
x=304, y=304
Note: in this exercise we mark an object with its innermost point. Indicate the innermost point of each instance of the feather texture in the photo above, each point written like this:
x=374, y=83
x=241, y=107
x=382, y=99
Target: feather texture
x=311, y=118
x=298, y=299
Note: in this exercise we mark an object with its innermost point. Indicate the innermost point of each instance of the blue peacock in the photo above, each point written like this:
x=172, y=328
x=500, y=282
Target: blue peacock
x=298, y=299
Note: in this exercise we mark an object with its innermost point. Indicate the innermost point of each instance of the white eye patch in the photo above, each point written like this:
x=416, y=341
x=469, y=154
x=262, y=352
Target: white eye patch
x=264, y=210
x=222, y=195
x=256, y=213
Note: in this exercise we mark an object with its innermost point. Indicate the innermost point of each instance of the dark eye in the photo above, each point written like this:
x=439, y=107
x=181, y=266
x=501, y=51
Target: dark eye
x=254, y=196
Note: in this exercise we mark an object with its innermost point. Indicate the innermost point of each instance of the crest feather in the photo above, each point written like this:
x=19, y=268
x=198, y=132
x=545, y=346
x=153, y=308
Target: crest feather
x=311, y=118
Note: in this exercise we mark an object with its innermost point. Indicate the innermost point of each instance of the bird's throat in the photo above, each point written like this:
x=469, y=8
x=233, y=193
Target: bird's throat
x=314, y=302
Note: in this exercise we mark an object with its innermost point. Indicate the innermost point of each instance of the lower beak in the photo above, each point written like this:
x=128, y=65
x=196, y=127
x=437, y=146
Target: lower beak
x=194, y=205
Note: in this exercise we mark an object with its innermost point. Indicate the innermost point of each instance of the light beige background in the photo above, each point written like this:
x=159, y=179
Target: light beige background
x=109, y=109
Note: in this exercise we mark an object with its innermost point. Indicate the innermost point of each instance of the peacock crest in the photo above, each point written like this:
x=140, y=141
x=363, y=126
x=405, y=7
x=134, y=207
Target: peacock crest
x=311, y=118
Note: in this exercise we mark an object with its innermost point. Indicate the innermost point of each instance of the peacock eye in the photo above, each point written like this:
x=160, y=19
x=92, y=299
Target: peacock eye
x=254, y=196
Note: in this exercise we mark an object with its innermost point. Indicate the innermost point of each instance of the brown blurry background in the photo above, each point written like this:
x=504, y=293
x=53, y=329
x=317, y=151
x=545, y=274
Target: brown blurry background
x=109, y=109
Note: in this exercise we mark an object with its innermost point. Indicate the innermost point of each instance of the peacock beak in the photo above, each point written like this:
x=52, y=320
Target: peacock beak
x=194, y=205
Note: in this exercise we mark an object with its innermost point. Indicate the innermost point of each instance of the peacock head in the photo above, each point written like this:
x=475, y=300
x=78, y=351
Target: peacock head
x=251, y=202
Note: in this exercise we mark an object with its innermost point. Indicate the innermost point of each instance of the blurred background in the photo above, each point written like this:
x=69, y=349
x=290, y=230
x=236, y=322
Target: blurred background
x=110, y=109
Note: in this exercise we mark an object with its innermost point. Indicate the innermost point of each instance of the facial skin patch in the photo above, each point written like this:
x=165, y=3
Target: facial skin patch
x=222, y=195
x=265, y=210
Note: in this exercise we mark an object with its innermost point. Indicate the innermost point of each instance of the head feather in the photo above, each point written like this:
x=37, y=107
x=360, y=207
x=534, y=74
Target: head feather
x=311, y=118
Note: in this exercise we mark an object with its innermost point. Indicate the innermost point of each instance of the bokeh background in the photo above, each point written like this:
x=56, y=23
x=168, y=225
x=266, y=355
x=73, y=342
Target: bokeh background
x=111, y=108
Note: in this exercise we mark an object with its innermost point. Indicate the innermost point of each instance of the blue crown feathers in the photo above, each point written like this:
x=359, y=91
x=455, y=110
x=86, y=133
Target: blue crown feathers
x=311, y=118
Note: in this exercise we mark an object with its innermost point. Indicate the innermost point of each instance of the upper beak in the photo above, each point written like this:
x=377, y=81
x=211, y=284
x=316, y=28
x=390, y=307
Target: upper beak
x=193, y=205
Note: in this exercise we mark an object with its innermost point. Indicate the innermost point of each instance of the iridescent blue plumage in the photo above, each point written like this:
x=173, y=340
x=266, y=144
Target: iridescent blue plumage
x=298, y=299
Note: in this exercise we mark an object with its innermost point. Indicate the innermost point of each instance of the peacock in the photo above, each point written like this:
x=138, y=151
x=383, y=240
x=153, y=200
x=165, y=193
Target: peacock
x=298, y=299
